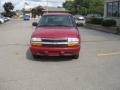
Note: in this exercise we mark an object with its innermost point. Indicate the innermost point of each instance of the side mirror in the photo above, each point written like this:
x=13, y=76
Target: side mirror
x=34, y=24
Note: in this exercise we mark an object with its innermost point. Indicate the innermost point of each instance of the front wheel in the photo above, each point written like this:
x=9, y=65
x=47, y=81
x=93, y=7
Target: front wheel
x=76, y=56
x=35, y=56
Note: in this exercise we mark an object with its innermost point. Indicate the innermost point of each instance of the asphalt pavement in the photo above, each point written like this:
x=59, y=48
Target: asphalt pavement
x=98, y=67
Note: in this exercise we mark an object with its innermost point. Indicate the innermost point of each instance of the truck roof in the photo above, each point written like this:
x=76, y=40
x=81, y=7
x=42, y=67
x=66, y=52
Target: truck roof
x=56, y=14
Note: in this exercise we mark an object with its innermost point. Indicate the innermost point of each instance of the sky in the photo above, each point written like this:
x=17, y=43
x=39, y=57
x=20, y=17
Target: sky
x=19, y=4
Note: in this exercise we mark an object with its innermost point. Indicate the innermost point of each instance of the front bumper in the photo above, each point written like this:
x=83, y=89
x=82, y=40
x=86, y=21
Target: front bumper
x=55, y=51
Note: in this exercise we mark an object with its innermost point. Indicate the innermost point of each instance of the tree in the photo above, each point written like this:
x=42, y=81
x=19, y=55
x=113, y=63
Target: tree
x=85, y=6
x=37, y=11
x=8, y=7
x=33, y=11
x=69, y=5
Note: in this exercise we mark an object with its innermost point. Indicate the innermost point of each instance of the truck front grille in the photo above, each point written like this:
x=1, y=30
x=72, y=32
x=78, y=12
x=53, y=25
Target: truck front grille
x=54, y=42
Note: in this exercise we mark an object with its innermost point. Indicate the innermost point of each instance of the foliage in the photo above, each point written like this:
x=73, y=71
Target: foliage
x=109, y=22
x=37, y=11
x=84, y=7
x=101, y=21
x=69, y=5
x=97, y=21
x=33, y=11
x=8, y=14
x=118, y=30
x=8, y=7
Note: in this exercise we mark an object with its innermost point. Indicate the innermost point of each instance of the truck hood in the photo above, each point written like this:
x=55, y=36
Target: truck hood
x=55, y=32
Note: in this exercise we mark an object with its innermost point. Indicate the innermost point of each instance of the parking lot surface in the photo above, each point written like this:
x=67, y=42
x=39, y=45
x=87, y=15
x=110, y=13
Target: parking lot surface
x=96, y=69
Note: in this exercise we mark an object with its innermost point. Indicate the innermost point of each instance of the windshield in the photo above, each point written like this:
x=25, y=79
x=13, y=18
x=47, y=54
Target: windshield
x=56, y=20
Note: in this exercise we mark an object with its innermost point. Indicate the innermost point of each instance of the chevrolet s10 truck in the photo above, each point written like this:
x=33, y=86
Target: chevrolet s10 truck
x=56, y=34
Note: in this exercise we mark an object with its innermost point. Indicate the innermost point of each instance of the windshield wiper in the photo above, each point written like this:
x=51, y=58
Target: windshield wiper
x=45, y=25
x=64, y=25
x=53, y=25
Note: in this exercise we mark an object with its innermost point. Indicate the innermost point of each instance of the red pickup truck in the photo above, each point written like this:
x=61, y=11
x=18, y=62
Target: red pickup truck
x=56, y=34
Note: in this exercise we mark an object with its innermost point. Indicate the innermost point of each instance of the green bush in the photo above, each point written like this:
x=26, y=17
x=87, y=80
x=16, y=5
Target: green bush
x=118, y=30
x=97, y=21
x=109, y=22
x=88, y=21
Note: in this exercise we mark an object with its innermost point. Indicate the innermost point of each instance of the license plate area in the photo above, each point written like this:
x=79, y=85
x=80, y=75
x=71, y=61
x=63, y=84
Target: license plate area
x=53, y=53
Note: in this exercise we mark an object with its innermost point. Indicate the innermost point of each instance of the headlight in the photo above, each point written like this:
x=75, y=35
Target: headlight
x=36, y=39
x=73, y=41
x=36, y=42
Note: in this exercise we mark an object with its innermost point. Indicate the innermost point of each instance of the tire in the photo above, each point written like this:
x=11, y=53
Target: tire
x=35, y=56
x=76, y=56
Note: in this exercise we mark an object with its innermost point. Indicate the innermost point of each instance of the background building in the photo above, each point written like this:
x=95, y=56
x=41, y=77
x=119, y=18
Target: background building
x=54, y=10
x=112, y=10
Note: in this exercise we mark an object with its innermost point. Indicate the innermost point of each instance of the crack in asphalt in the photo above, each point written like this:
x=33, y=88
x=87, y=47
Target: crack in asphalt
x=100, y=40
x=5, y=45
x=14, y=80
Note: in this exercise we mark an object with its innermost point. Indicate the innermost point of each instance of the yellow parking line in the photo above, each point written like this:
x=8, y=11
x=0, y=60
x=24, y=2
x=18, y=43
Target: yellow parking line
x=108, y=54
